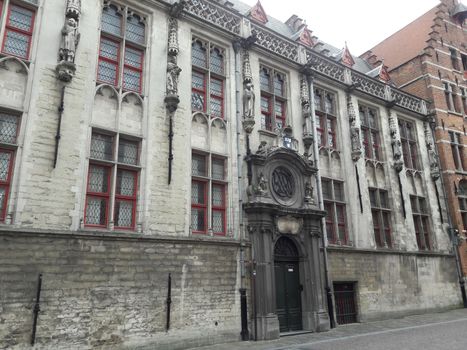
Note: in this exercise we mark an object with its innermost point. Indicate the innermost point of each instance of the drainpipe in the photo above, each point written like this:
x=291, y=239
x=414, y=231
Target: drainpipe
x=238, y=108
x=309, y=77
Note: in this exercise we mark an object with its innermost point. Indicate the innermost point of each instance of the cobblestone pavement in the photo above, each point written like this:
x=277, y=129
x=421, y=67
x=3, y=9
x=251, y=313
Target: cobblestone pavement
x=438, y=331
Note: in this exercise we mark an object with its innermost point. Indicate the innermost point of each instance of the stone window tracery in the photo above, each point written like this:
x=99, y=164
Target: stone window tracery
x=207, y=78
x=112, y=184
x=273, y=99
x=370, y=132
x=121, y=48
x=325, y=114
x=9, y=126
x=208, y=194
x=18, y=29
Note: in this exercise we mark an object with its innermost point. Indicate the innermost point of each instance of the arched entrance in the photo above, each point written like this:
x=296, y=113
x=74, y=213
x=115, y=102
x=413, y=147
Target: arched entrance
x=288, y=287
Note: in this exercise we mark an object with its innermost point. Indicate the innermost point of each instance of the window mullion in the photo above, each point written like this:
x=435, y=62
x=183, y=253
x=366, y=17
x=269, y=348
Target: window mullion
x=113, y=179
x=209, y=194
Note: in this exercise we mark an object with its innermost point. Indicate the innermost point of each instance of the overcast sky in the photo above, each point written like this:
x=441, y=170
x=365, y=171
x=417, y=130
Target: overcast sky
x=362, y=23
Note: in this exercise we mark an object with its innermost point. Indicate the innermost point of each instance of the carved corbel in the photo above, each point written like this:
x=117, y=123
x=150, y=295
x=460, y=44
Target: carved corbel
x=66, y=67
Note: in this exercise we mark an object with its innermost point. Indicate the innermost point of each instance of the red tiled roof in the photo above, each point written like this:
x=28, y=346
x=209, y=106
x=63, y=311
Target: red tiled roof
x=407, y=43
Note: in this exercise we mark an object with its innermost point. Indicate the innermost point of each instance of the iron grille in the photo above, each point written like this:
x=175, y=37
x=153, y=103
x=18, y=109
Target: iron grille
x=344, y=295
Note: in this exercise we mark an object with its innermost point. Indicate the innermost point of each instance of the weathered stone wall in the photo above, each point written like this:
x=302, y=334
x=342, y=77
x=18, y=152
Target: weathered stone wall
x=110, y=291
x=390, y=284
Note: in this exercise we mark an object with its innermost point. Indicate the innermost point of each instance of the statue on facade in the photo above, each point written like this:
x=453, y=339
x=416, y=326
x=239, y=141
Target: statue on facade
x=249, y=101
x=261, y=151
x=262, y=187
x=173, y=71
x=308, y=193
x=70, y=40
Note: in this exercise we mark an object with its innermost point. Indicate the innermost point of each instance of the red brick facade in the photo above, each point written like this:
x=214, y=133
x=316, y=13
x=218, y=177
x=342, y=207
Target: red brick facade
x=438, y=73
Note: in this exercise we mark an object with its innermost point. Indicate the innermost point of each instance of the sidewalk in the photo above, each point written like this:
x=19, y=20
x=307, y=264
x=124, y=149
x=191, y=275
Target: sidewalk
x=342, y=332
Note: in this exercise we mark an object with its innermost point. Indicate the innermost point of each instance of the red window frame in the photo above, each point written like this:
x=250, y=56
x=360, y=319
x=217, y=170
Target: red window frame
x=331, y=133
x=103, y=195
x=198, y=91
x=9, y=27
x=106, y=59
x=282, y=116
x=202, y=206
x=331, y=233
x=320, y=129
x=267, y=113
x=220, y=97
x=125, y=198
x=221, y=208
x=409, y=144
x=6, y=183
x=134, y=69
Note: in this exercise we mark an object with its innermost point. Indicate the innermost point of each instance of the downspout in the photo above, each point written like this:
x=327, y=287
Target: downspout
x=238, y=107
x=309, y=77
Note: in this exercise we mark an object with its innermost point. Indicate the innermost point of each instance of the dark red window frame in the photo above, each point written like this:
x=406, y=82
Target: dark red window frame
x=221, y=208
x=267, y=113
x=371, y=138
x=325, y=113
x=218, y=97
x=199, y=91
x=202, y=206
x=103, y=195
x=333, y=205
x=7, y=183
x=134, y=69
x=126, y=198
x=9, y=27
x=421, y=223
x=106, y=59
x=409, y=144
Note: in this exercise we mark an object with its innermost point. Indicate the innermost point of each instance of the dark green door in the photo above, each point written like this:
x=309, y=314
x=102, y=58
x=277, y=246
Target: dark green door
x=288, y=296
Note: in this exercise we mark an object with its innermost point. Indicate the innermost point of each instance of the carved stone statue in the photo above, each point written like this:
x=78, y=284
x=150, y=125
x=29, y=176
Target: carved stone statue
x=262, y=148
x=308, y=193
x=248, y=101
x=70, y=40
x=173, y=71
x=262, y=187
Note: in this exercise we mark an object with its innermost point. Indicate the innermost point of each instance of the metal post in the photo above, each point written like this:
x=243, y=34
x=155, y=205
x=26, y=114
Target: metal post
x=243, y=308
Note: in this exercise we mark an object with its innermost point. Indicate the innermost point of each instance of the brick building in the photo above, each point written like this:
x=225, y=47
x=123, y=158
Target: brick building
x=428, y=58
x=185, y=173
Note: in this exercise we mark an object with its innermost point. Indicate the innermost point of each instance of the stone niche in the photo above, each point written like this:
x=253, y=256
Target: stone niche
x=280, y=207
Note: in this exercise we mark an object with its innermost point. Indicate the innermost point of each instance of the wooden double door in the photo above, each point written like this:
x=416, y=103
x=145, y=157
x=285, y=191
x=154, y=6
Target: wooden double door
x=288, y=295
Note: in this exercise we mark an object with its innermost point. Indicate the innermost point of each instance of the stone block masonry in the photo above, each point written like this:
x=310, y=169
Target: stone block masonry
x=110, y=291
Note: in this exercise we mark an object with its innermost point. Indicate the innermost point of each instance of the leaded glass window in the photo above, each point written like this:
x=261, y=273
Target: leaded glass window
x=207, y=78
x=8, y=127
x=18, y=31
x=325, y=118
x=115, y=43
x=105, y=195
x=421, y=218
x=208, y=194
x=335, y=206
x=370, y=132
x=409, y=144
x=273, y=100
x=381, y=215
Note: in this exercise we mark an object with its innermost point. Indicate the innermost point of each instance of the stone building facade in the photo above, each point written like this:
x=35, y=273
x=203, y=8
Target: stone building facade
x=185, y=173
x=433, y=66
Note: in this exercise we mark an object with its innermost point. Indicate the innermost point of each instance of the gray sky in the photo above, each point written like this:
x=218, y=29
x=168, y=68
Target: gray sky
x=362, y=23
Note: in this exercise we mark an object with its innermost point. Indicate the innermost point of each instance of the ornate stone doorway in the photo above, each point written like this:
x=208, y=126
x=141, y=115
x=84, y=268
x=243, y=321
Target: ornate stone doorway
x=288, y=287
